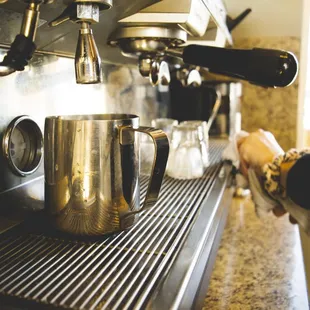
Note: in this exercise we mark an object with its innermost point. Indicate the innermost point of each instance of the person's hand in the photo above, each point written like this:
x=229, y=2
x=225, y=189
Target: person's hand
x=256, y=150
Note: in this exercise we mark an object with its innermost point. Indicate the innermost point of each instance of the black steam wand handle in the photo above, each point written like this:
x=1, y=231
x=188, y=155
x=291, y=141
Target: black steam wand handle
x=265, y=67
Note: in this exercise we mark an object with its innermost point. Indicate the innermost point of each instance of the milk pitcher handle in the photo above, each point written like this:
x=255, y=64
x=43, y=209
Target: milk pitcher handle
x=161, y=145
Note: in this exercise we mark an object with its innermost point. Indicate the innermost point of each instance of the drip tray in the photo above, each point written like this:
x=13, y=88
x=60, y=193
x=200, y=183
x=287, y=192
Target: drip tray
x=121, y=271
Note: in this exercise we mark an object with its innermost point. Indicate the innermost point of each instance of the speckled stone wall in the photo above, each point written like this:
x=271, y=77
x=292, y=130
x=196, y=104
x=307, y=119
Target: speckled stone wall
x=274, y=110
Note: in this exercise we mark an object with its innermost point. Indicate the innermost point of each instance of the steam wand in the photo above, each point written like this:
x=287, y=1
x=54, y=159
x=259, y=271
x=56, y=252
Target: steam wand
x=23, y=47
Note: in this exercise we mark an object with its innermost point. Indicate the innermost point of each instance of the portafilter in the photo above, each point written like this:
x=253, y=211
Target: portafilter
x=151, y=45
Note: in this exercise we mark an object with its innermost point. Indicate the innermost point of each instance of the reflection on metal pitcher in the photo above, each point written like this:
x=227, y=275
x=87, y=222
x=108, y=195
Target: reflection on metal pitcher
x=92, y=169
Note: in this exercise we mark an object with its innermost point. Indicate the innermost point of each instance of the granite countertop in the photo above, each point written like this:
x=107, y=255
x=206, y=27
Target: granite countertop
x=259, y=263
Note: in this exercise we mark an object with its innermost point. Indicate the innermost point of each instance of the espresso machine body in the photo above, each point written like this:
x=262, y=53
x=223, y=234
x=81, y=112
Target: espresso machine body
x=121, y=49
x=40, y=78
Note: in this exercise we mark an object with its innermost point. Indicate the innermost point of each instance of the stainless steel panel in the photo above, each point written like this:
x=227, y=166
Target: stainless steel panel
x=63, y=38
x=48, y=87
x=116, y=272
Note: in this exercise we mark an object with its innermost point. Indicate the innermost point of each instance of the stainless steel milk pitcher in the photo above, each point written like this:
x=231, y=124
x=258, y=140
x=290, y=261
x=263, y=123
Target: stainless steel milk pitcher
x=91, y=167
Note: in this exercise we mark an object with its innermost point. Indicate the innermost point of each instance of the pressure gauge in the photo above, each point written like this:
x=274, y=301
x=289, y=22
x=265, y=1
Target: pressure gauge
x=22, y=145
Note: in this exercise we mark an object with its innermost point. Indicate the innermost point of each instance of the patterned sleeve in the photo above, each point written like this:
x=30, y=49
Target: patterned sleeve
x=298, y=182
x=272, y=172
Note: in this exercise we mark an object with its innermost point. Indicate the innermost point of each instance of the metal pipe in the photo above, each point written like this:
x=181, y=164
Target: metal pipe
x=28, y=30
x=41, y=52
x=215, y=109
x=30, y=21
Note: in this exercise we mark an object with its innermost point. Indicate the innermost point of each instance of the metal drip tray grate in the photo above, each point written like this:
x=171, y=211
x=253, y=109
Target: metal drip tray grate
x=115, y=272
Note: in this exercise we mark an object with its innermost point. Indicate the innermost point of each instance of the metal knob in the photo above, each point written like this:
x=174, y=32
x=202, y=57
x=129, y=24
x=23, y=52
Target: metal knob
x=87, y=59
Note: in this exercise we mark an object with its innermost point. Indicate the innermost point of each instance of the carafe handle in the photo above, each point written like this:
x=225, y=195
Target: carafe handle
x=161, y=145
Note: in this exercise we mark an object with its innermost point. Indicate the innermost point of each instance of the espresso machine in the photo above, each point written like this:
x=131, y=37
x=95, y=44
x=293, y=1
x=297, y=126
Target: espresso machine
x=154, y=35
x=63, y=57
x=161, y=31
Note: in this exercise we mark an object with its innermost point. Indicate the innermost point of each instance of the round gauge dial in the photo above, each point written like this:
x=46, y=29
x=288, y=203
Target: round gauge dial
x=23, y=145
